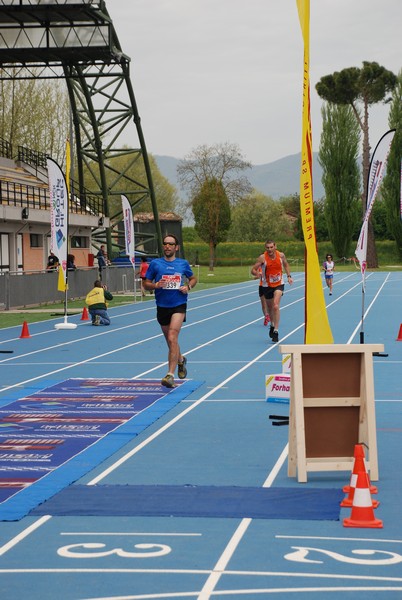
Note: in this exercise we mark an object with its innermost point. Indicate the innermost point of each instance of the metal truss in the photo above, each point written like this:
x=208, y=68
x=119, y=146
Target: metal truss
x=76, y=40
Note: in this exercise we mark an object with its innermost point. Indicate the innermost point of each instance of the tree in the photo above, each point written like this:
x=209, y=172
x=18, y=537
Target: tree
x=338, y=153
x=379, y=213
x=35, y=114
x=222, y=162
x=257, y=218
x=320, y=221
x=213, y=169
x=165, y=192
x=211, y=210
x=291, y=204
x=368, y=85
x=390, y=188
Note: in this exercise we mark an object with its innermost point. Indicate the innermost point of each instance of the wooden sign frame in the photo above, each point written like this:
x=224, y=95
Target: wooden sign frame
x=331, y=407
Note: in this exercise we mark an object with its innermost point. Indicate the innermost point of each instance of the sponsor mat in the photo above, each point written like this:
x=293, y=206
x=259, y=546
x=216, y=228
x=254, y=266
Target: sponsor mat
x=56, y=435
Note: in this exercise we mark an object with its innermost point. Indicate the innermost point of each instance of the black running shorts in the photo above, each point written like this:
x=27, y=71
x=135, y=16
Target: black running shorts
x=164, y=314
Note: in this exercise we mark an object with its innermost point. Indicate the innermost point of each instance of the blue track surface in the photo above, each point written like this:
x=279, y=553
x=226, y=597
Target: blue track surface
x=220, y=435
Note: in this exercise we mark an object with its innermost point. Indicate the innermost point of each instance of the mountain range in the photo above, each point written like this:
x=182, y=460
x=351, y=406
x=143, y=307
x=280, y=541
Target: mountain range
x=274, y=179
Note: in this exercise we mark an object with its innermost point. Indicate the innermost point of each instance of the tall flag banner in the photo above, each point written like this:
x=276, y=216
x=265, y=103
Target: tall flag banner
x=58, y=218
x=401, y=191
x=317, y=328
x=128, y=229
x=375, y=175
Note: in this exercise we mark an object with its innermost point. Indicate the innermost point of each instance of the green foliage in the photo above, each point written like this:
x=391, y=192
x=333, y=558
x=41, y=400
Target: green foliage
x=321, y=227
x=320, y=220
x=211, y=210
x=379, y=219
x=245, y=253
x=390, y=187
x=291, y=204
x=190, y=235
x=212, y=176
x=340, y=87
x=35, y=114
x=370, y=84
x=388, y=254
x=375, y=82
x=259, y=217
x=165, y=192
x=339, y=149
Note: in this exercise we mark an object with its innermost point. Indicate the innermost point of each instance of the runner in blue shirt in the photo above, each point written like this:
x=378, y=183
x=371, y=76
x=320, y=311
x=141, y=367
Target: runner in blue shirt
x=172, y=278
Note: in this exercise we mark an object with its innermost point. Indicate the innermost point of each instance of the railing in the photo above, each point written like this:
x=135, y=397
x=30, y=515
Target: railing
x=26, y=289
x=32, y=157
x=31, y=196
x=6, y=149
x=21, y=194
x=14, y=193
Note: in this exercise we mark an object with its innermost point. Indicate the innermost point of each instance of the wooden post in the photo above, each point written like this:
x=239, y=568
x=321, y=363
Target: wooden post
x=331, y=407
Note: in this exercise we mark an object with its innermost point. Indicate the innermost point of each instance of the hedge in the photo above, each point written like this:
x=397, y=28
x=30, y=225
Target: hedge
x=242, y=253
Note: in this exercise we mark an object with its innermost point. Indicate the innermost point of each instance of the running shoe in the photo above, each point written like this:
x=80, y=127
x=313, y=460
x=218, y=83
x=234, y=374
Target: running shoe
x=266, y=320
x=168, y=381
x=96, y=320
x=182, y=369
x=275, y=337
x=271, y=331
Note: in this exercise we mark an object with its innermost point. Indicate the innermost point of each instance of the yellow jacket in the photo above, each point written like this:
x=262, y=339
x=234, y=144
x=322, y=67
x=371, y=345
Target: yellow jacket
x=97, y=298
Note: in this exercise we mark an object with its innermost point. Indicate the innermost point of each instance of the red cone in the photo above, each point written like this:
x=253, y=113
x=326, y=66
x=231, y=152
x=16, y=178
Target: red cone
x=25, y=331
x=359, y=465
x=362, y=514
x=85, y=316
x=399, y=338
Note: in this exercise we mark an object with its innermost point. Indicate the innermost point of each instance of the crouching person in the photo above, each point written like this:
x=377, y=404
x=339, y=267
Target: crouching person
x=96, y=301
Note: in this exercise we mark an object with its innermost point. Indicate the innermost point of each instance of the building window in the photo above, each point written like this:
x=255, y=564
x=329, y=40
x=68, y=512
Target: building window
x=79, y=241
x=36, y=240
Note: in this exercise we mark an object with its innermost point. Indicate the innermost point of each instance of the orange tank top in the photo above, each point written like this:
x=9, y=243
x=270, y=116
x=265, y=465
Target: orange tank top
x=273, y=269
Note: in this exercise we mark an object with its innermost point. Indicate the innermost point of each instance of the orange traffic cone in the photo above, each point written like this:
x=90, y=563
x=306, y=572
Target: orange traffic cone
x=25, y=331
x=348, y=501
x=362, y=514
x=85, y=316
x=399, y=338
x=359, y=465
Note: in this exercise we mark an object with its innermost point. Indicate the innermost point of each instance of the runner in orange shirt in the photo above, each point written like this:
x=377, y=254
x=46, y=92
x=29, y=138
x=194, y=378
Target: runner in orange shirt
x=272, y=264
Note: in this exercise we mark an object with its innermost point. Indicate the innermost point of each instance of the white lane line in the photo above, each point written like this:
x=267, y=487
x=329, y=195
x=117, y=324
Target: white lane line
x=18, y=538
x=359, y=325
x=131, y=312
x=189, y=408
x=119, y=349
x=213, y=579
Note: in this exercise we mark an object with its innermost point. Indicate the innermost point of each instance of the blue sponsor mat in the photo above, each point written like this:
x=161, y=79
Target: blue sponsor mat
x=54, y=436
x=195, y=501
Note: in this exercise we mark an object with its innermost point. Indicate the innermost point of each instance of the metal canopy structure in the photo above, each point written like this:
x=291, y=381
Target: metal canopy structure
x=76, y=40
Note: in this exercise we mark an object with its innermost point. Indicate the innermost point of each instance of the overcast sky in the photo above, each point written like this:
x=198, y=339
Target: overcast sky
x=215, y=71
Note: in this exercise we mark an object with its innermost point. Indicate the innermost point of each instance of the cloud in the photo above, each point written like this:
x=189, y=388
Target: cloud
x=207, y=71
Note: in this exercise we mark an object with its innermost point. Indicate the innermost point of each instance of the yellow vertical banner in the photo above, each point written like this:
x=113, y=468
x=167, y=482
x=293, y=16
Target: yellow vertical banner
x=68, y=166
x=317, y=328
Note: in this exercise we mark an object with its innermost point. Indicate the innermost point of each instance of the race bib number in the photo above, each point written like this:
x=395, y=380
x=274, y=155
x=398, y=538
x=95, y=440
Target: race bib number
x=275, y=278
x=173, y=282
